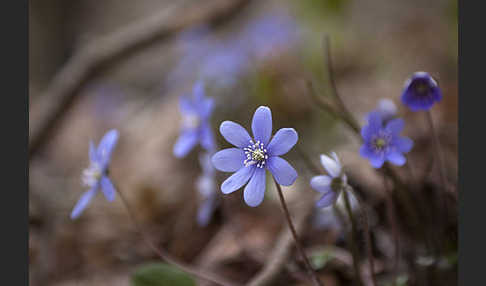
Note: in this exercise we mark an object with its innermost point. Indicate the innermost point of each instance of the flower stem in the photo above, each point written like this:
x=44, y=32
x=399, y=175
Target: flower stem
x=354, y=233
x=315, y=279
x=165, y=255
x=369, y=249
x=438, y=151
x=392, y=221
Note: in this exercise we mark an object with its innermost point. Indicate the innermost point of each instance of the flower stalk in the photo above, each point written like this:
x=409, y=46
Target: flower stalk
x=299, y=247
x=354, y=233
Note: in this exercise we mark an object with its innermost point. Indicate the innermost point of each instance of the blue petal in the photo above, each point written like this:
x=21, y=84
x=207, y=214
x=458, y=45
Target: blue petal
x=281, y=170
x=375, y=123
x=198, y=90
x=107, y=188
x=83, y=202
x=237, y=180
x=321, y=183
x=207, y=138
x=229, y=160
x=282, y=142
x=396, y=158
x=186, y=141
x=106, y=146
x=327, y=199
x=377, y=161
x=92, y=152
x=235, y=134
x=206, y=210
x=261, y=124
x=186, y=105
x=403, y=144
x=395, y=126
x=255, y=190
x=365, y=152
x=206, y=107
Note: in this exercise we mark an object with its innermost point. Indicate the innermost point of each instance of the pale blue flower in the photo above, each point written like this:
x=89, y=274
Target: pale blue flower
x=96, y=175
x=196, y=128
x=329, y=185
x=206, y=186
x=251, y=157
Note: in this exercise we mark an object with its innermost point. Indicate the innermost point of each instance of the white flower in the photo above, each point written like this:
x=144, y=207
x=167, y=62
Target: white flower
x=329, y=185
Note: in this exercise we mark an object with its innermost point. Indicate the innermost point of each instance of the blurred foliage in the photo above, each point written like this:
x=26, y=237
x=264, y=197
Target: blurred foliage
x=161, y=274
x=319, y=259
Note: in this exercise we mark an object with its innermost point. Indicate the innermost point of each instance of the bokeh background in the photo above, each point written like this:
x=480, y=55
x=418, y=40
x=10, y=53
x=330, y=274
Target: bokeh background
x=249, y=53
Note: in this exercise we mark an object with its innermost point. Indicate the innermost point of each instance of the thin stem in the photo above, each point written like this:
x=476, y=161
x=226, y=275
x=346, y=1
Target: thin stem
x=354, y=232
x=166, y=256
x=392, y=221
x=315, y=279
x=369, y=249
x=438, y=151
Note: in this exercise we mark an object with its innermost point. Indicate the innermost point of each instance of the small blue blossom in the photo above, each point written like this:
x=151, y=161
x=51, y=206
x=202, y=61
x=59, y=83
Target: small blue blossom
x=206, y=186
x=421, y=92
x=96, y=175
x=196, y=128
x=252, y=157
x=382, y=142
x=332, y=185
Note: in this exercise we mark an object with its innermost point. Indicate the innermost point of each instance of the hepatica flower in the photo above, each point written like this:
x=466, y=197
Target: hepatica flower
x=329, y=185
x=252, y=157
x=95, y=177
x=387, y=108
x=206, y=187
x=196, y=128
x=382, y=142
x=421, y=92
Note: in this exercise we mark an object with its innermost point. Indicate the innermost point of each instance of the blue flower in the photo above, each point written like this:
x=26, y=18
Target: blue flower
x=421, y=92
x=196, y=128
x=383, y=142
x=332, y=185
x=206, y=186
x=252, y=157
x=96, y=175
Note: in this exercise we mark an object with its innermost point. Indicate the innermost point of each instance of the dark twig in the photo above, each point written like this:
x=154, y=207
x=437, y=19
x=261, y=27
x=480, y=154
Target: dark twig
x=354, y=234
x=63, y=90
x=311, y=271
x=166, y=256
x=392, y=220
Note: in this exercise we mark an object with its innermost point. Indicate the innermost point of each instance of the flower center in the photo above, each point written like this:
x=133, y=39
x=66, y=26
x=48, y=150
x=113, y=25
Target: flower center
x=92, y=174
x=190, y=121
x=380, y=142
x=337, y=184
x=422, y=88
x=255, y=154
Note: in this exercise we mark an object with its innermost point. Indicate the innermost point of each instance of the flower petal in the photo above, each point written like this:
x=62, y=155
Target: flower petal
x=403, y=144
x=206, y=210
x=261, y=125
x=327, y=199
x=198, y=90
x=377, y=161
x=207, y=138
x=255, y=190
x=374, y=124
x=92, y=152
x=395, y=126
x=106, y=146
x=282, y=142
x=107, y=188
x=229, y=160
x=396, y=158
x=237, y=180
x=235, y=134
x=281, y=170
x=83, y=202
x=186, y=141
x=332, y=167
x=186, y=105
x=321, y=183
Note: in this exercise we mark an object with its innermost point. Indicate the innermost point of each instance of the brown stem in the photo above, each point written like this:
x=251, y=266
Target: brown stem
x=438, y=151
x=315, y=279
x=392, y=221
x=354, y=232
x=166, y=256
x=369, y=249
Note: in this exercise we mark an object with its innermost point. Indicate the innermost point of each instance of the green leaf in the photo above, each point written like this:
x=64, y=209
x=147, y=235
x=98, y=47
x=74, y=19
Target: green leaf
x=319, y=259
x=161, y=274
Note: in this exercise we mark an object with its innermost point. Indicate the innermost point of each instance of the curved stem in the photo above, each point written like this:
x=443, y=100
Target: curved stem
x=165, y=255
x=352, y=240
x=315, y=279
x=392, y=221
x=369, y=249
